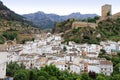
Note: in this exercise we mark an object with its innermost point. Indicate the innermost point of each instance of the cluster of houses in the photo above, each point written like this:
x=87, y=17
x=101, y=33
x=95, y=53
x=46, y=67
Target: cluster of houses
x=48, y=50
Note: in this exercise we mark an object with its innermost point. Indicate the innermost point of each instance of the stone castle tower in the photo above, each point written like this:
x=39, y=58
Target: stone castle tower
x=106, y=10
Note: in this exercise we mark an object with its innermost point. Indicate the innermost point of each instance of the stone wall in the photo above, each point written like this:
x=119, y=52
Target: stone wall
x=83, y=24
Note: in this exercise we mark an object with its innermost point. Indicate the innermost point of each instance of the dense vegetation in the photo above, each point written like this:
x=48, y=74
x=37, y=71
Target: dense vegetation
x=52, y=73
x=108, y=29
x=9, y=36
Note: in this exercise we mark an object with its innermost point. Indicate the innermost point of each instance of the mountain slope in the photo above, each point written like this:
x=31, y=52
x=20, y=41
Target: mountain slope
x=40, y=19
x=44, y=20
x=6, y=13
x=14, y=26
x=107, y=29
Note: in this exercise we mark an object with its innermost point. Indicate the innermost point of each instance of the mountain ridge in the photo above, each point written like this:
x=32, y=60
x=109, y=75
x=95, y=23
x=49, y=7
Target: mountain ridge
x=45, y=20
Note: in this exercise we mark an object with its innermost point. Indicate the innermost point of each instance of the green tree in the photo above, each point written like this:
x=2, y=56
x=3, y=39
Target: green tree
x=20, y=76
x=26, y=72
x=102, y=51
x=77, y=40
x=22, y=66
x=64, y=48
x=115, y=60
x=12, y=68
x=108, y=77
x=23, y=41
x=41, y=78
x=75, y=30
x=91, y=20
x=100, y=77
x=43, y=73
x=33, y=39
x=118, y=54
x=116, y=76
x=96, y=17
x=32, y=75
x=53, y=78
x=85, y=76
x=9, y=35
x=51, y=70
x=116, y=69
x=2, y=40
x=64, y=74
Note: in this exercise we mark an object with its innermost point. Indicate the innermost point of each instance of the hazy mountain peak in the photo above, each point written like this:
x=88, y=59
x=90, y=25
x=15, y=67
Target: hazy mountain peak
x=39, y=12
x=47, y=20
x=76, y=13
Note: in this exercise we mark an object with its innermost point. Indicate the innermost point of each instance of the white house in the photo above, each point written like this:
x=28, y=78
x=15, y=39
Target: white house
x=92, y=54
x=3, y=61
x=82, y=66
x=12, y=57
x=75, y=68
x=94, y=67
x=109, y=46
x=61, y=65
x=106, y=67
x=40, y=62
x=69, y=58
x=29, y=60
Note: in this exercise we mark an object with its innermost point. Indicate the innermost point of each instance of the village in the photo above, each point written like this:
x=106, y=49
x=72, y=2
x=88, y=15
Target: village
x=48, y=50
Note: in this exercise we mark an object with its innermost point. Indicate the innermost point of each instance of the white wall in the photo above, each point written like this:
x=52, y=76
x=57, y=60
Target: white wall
x=3, y=60
x=75, y=68
x=94, y=68
x=61, y=67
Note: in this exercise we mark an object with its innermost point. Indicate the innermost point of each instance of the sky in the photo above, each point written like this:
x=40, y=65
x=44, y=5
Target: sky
x=61, y=7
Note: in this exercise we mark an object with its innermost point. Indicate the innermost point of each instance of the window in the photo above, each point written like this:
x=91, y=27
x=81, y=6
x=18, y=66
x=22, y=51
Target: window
x=105, y=69
x=101, y=68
